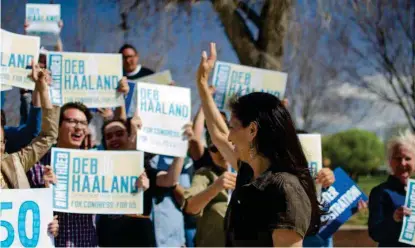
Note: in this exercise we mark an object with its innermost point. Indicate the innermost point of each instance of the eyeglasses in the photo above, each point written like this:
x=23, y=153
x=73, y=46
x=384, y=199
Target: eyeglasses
x=128, y=56
x=213, y=149
x=74, y=122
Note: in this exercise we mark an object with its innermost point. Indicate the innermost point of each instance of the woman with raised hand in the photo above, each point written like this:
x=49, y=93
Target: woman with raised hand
x=274, y=202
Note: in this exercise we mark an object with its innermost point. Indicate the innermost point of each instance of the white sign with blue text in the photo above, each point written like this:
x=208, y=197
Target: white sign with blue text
x=164, y=111
x=311, y=144
x=232, y=79
x=90, y=78
x=42, y=20
x=97, y=182
x=16, y=54
x=24, y=218
x=408, y=226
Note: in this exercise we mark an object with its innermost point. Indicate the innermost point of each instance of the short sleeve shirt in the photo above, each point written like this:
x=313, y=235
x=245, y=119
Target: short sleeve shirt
x=274, y=200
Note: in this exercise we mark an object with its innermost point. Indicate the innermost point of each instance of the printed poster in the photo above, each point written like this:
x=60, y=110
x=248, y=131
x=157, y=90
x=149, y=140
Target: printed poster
x=97, y=182
x=342, y=197
x=17, y=53
x=163, y=77
x=43, y=21
x=230, y=79
x=90, y=78
x=4, y=87
x=24, y=218
x=311, y=144
x=164, y=111
x=407, y=235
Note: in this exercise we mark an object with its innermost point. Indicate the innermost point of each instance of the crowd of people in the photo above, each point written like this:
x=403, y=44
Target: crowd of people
x=255, y=155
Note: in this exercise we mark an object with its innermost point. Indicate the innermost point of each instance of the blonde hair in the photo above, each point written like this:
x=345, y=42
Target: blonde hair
x=406, y=139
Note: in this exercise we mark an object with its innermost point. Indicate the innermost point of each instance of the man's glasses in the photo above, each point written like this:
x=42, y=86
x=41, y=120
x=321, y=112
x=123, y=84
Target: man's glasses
x=74, y=122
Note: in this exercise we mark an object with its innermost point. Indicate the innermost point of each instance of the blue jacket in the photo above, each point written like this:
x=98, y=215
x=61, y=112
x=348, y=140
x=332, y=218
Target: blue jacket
x=384, y=199
x=21, y=136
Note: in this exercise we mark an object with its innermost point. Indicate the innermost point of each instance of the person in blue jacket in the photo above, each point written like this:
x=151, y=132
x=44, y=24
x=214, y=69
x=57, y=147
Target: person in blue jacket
x=387, y=200
x=22, y=135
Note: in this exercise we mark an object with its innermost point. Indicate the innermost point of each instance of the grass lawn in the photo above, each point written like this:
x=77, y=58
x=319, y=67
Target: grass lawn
x=366, y=184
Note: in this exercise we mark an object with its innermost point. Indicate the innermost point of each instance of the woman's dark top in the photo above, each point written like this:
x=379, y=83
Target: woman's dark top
x=384, y=199
x=274, y=200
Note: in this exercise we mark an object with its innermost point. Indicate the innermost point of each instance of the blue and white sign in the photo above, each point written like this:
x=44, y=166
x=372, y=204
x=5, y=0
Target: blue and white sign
x=408, y=227
x=24, y=218
x=42, y=20
x=164, y=111
x=342, y=197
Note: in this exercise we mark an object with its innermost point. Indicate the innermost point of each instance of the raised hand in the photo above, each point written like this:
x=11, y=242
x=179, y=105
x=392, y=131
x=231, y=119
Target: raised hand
x=188, y=133
x=123, y=86
x=206, y=64
x=41, y=77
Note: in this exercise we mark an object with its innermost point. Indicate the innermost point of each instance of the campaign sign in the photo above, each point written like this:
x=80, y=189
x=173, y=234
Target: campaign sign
x=163, y=77
x=16, y=54
x=164, y=111
x=342, y=197
x=42, y=20
x=24, y=218
x=407, y=235
x=90, y=78
x=97, y=182
x=232, y=79
x=311, y=144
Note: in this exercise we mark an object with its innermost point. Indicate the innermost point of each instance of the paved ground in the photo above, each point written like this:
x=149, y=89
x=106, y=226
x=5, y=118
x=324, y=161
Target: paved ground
x=353, y=236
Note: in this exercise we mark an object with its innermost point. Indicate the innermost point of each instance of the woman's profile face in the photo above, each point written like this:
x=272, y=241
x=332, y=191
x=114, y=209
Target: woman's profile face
x=240, y=138
x=402, y=163
x=116, y=136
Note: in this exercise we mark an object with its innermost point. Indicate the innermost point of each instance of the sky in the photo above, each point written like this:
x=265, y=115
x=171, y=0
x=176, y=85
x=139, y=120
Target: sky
x=177, y=46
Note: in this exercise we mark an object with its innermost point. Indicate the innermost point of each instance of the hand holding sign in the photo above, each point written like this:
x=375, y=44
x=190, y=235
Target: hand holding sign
x=143, y=182
x=53, y=227
x=325, y=177
x=188, y=131
x=400, y=212
x=206, y=64
x=48, y=176
x=123, y=86
x=41, y=77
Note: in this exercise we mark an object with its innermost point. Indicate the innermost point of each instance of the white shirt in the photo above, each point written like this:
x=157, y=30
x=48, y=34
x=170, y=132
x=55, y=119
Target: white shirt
x=137, y=70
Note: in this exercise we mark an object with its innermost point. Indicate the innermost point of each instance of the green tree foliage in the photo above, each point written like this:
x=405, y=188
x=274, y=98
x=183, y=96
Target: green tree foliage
x=356, y=151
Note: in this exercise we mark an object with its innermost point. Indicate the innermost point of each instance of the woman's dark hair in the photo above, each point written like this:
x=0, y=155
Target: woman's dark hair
x=277, y=140
x=106, y=123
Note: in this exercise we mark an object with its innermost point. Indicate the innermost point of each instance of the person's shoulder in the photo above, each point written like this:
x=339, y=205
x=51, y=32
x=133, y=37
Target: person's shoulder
x=146, y=70
x=379, y=189
x=282, y=178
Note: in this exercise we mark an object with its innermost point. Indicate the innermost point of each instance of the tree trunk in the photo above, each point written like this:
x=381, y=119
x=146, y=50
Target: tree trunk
x=266, y=51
